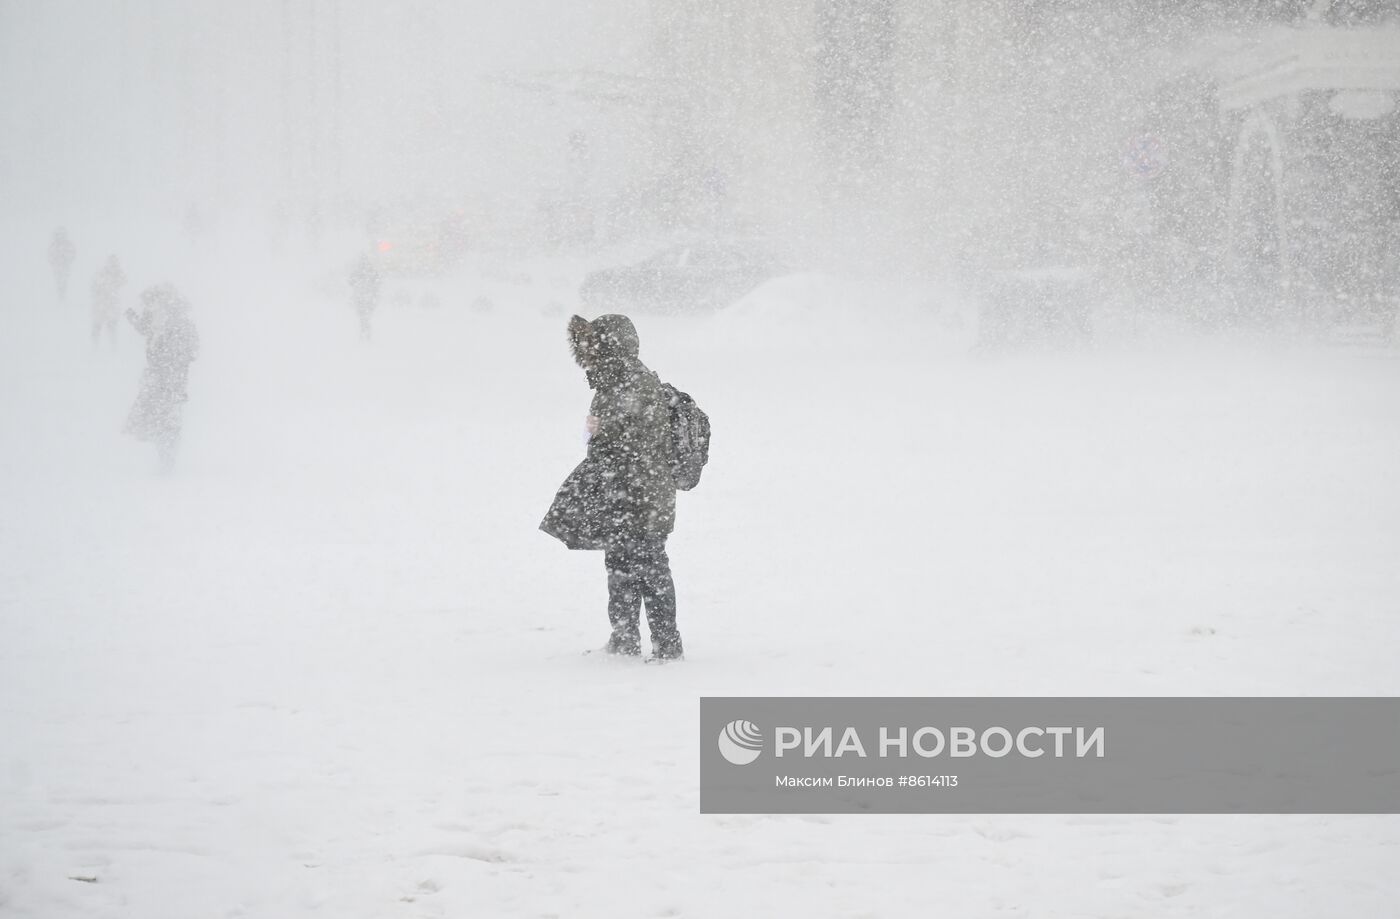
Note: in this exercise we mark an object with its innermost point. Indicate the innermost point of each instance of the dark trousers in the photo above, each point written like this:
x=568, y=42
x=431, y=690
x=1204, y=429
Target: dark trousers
x=639, y=571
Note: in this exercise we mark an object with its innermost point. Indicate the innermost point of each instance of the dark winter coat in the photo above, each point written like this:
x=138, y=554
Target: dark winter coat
x=624, y=487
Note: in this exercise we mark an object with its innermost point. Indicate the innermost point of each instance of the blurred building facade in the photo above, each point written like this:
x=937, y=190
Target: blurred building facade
x=1294, y=134
x=928, y=130
x=1162, y=141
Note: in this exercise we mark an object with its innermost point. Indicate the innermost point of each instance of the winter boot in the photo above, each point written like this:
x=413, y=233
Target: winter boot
x=624, y=642
x=668, y=649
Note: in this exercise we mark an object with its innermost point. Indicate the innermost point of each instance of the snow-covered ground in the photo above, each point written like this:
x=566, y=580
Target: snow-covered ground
x=330, y=667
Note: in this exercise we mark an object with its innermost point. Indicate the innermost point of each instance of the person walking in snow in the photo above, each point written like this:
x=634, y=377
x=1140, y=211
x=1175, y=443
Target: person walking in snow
x=107, y=287
x=172, y=344
x=62, y=252
x=364, y=291
x=622, y=497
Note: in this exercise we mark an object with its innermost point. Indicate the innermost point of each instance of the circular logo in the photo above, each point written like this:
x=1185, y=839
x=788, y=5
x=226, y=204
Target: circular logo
x=741, y=742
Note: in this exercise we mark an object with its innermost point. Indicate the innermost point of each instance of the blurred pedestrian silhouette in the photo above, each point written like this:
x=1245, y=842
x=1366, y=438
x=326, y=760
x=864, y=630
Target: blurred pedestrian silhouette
x=62, y=252
x=172, y=343
x=107, y=287
x=364, y=291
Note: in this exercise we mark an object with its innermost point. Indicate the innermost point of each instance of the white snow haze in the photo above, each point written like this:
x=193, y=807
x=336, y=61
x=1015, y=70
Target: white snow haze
x=1050, y=349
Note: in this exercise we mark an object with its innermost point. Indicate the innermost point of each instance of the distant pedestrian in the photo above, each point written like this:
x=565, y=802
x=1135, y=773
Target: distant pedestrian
x=107, y=287
x=172, y=343
x=194, y=224
x=62, y=252
x=364, y=292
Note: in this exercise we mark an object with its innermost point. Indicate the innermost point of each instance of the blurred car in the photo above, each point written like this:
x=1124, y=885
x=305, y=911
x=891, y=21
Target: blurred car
x=680, y=278
x=407, y=252
x=420, y=247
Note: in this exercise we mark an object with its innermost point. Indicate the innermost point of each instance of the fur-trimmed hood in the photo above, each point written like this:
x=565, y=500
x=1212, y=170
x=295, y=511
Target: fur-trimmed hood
x=607, y=338
x=605, y=348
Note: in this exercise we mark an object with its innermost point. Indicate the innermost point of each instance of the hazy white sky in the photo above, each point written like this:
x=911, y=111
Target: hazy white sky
x=201, y=99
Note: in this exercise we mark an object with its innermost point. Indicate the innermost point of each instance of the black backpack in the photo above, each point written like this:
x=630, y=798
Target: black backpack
x=690, y=437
